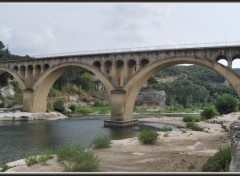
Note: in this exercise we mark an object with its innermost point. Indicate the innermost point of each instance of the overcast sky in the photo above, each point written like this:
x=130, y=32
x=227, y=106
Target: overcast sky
x=42, y=28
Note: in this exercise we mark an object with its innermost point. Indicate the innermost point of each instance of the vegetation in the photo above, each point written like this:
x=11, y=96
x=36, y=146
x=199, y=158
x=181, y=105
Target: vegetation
x=5, y=167
x=148, y=136
x=84, y=110
x=226, y=104
x=101, y=142
x=209, y=112
x=193, y=126
x=195, y=86
x=35, y=159
x=58, y=105
x=76, y=159
x=165, y=129
x=190, y=118
x=219, y=162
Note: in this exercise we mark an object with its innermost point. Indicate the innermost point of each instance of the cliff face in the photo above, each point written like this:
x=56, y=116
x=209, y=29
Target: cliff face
x=235, y=146
x=154, y=98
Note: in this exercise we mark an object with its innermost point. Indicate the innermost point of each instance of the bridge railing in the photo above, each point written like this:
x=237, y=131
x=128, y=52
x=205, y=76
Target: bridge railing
x=149, y=48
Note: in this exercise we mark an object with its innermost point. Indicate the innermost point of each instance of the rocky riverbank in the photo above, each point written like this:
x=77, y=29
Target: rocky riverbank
x=176, y=151
x=18, y=115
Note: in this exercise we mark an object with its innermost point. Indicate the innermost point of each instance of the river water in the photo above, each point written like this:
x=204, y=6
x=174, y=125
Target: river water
x=21, y=138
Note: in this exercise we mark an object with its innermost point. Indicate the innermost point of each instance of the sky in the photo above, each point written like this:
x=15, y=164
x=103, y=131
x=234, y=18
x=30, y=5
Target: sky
x=45, y=28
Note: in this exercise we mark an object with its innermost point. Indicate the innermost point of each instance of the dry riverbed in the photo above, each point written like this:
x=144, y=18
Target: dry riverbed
x=176, y=151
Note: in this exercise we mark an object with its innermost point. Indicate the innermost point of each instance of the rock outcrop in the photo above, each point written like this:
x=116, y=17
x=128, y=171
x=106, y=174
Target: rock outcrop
x=31, y=116
x=235, y=146
x=154, y=98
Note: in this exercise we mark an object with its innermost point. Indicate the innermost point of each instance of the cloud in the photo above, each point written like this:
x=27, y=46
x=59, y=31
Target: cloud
x=134, y=22
x=5, y=34
x=26, y=42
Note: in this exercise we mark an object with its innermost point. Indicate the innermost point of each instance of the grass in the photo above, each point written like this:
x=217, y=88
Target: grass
x=5, y=167
x=192, y=118
x=101, y=142
x=76, y=159
x=165, y=129
x=224, y=127
x=85, y=110
x=219, y=162
x=35, y=159
x=148, y=136
x=193, y=126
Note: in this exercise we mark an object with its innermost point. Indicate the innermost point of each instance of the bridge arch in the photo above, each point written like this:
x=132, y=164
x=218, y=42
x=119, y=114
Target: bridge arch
x=15, y=76
x=134, y=85
x=46, y=80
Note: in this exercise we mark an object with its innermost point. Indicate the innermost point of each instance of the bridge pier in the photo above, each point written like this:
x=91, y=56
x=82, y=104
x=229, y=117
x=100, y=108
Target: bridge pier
x=118, y=116
x=27, y=100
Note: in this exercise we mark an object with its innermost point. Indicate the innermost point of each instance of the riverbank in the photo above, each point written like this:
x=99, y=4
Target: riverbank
x=176, y=151
x=18, y=116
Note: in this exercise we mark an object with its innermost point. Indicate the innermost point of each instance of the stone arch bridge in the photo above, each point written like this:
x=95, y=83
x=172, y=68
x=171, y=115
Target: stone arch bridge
x=122, y=73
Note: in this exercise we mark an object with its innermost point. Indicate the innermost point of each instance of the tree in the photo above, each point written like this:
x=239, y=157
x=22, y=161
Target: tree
x=2, y=46
x=226, y=104
x=86, y=81
x=209, y=112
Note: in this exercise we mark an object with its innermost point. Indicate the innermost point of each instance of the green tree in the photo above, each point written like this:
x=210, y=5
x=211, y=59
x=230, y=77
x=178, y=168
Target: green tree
x=2, y=46
x=59, y=105
x=86, y=81
x=209, y=112
x=226, y=104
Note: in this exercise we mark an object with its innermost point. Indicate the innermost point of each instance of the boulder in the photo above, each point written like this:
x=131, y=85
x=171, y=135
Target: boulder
x=67, y=111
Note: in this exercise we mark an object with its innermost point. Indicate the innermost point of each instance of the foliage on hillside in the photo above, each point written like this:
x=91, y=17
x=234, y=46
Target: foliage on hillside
x=199, y=86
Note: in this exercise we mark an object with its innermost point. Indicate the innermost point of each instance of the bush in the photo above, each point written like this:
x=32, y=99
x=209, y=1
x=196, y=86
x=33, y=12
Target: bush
x=226, y=104
x=59, y=105
x=148, y=137
x=191, y=119
x=209, y=112
x=165, y=129
x=5, y=167
x=75, y=159
x=73, y=107
x=219, y=162
x=35, y=159
x=101, y=142
x=193, y=126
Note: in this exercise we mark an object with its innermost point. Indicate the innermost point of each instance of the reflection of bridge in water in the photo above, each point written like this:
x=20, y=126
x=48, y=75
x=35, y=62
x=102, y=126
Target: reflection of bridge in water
x=123, y=72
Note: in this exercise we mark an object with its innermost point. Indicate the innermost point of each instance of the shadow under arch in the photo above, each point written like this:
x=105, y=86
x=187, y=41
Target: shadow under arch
x=15, y=76
x=135, y=84
x=45, y=82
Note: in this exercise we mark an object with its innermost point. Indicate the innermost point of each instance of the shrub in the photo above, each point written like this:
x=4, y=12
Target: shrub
x=191, y=118
x=226, y=104
x=148, y=137
x=54, y=92
x=165, y=129
x=31, y=160
x=75, y=159
x=98, y=103
x=58, y=105
x=101, y=142
x=219, y=162
x=73, y=107
x=5, y=167
x=209, y=112
x=35, y=159
x=193, y=126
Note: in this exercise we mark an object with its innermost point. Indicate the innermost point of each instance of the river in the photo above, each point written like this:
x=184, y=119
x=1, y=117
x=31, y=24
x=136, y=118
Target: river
x=21, y=138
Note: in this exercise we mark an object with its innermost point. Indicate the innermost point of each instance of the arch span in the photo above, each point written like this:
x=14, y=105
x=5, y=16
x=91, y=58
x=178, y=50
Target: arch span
x=134, y=85
x=45, y=82
x=15, y=76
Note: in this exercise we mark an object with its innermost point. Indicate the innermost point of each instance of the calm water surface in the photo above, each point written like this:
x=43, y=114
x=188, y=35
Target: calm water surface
x=21, y=138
